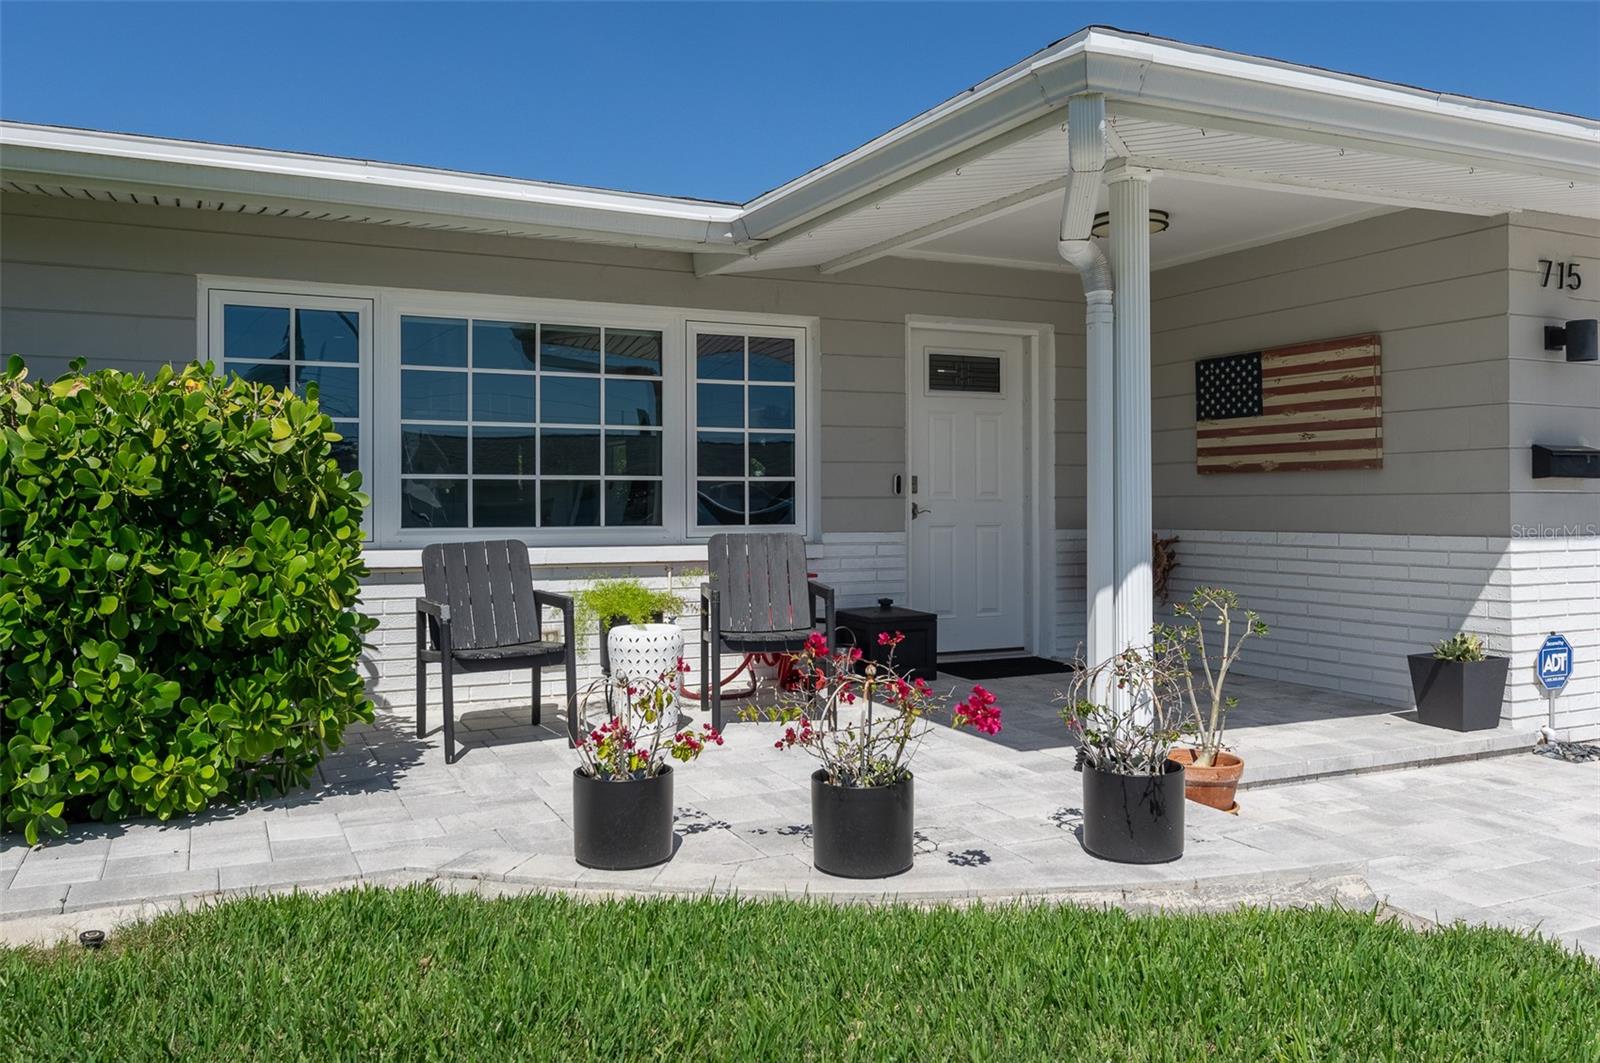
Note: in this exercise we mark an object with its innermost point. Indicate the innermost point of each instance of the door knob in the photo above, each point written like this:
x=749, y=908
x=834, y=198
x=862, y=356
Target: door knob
x=917, y=511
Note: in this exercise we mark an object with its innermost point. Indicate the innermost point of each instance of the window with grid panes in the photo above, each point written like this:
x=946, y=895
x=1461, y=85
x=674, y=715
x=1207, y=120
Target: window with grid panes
x=746, y=453
x=522, y=424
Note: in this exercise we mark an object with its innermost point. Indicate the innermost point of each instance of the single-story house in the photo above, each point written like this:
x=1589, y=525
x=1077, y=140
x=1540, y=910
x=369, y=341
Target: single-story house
x=1312, y=325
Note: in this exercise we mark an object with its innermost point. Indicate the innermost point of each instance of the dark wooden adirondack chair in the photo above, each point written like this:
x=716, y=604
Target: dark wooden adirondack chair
x=482, y=613
x=757, y=599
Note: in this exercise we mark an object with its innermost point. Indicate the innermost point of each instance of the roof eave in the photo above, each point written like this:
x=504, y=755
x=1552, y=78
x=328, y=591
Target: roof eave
x=51, y=156
x=1202, y=85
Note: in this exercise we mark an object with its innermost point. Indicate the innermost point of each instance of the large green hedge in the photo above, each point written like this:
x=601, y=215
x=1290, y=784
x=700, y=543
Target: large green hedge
x=179, y=564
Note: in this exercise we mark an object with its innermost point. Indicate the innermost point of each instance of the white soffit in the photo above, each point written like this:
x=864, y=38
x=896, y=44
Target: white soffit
x=1208, y=218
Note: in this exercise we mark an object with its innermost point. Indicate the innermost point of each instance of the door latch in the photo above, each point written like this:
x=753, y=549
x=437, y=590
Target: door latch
x=917, y=511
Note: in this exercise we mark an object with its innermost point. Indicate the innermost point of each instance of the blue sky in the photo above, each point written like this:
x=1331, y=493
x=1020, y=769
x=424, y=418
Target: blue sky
x=716, y=100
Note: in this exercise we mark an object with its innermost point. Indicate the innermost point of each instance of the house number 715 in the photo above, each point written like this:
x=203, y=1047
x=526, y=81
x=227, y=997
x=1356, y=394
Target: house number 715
x=1564, y=273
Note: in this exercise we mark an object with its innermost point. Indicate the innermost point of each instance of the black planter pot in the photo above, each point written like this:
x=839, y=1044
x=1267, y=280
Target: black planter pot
x=1133, y=819
x=622, y=825
x=1459, y=695
x=860, y=832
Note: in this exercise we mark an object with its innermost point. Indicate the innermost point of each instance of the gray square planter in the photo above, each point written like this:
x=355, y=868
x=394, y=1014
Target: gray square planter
x=1458, y=695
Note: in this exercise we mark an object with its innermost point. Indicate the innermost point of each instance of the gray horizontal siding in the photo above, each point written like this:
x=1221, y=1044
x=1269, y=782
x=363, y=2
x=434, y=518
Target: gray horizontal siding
x=1552, y=400
x=115, y=284
x=1434, y=287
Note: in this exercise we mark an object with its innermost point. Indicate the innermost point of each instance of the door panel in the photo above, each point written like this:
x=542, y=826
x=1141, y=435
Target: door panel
x=966, y=456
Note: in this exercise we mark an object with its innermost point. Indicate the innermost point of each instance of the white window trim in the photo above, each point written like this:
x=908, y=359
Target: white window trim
x=214, y=298
x=380, y=427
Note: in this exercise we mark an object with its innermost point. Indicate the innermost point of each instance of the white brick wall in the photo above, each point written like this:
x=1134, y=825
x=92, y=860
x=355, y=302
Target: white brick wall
x=861, y=567
x=1556, y=587
x=1346, y=609
x=1072, y=606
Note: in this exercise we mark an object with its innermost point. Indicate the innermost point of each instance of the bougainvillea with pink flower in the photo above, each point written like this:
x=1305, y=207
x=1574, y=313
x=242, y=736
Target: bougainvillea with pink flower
x=640, y=732
x=864, y=720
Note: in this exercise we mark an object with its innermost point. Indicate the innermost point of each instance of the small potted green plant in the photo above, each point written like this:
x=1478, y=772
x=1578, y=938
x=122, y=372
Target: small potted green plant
x=1126, y=713
x=622, y=803
x=637, y=637
x=1458, y=686
x=863, y=722
x=1212, y=772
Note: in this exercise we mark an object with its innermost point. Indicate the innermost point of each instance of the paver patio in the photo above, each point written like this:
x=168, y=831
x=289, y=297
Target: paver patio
x=1513, y=840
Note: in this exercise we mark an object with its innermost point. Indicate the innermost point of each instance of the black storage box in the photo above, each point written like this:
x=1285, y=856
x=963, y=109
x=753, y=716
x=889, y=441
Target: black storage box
x=1581, y=463
x=917, y=657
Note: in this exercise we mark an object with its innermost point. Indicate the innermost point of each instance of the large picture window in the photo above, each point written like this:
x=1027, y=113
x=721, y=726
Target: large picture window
x=565, y=424
x=525, y=424
x=746, y=456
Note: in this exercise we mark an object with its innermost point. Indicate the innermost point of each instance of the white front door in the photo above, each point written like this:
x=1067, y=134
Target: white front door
x=966, y=431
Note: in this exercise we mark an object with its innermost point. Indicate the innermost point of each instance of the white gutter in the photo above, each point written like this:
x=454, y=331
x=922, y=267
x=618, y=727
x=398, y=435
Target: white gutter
x=1086, y=161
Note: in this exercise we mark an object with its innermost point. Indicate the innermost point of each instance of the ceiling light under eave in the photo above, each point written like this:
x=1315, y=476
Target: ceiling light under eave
x=1160, y=221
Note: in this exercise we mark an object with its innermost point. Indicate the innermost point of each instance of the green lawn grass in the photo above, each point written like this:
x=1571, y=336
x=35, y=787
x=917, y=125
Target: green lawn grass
x=415, y=974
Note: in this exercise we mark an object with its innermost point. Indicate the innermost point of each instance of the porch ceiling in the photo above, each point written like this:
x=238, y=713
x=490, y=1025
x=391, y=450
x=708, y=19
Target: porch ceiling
x=972, y=207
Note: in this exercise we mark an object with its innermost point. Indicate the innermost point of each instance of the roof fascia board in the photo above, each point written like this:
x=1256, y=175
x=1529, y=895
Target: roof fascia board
x=988, y=114
x=1206, y=101
x=1192, y=68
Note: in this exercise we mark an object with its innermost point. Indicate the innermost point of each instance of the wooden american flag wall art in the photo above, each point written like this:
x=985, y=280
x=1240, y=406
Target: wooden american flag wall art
x=1310, y=406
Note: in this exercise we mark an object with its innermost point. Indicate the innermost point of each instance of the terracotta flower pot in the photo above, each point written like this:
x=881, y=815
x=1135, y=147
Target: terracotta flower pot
x=1214, y=786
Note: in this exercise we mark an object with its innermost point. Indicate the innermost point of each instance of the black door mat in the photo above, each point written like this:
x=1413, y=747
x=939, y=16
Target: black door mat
x=1002, y=668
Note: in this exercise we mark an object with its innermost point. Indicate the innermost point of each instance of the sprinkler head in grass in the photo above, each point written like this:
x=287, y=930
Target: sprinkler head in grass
x=92, y=939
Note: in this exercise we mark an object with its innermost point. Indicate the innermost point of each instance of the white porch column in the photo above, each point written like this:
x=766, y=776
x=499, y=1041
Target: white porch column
x=1130, y=264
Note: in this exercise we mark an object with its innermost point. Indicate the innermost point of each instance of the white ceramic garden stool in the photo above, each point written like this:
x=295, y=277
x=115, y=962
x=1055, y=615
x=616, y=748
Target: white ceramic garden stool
x=642, y=652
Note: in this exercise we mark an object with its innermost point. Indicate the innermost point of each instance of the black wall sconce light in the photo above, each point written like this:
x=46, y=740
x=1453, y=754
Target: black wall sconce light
x=1580, y=338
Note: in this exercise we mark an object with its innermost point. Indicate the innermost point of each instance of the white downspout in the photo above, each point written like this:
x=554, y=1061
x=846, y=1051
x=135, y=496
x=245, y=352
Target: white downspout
x=1086, y=160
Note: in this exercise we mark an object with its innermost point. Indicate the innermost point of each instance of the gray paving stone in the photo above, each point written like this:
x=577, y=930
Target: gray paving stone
x=137, y=843
x=490, y=861
x=309, y=848
x=150, y=864
x=40, y=870
x=17, y=903
x=230, y=853
x=547, y=869
x=121, y=890
x=286, y=831
x=303, y=871
x=379, y=835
